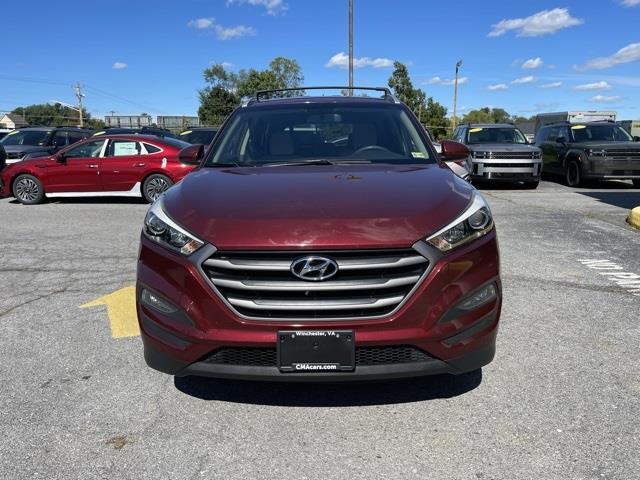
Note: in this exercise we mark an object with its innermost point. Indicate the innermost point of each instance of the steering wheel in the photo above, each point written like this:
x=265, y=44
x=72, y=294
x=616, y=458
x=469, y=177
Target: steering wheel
x=370, y=148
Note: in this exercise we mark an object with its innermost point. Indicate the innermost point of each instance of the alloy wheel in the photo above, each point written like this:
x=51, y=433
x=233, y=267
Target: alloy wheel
x=156, y=187
x=26, y=190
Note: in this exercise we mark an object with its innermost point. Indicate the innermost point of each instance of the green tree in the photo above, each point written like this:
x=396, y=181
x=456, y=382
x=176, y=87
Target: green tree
x=224, y=88
x=493, y=115
x=56, y=114
x=216, y=103
x=429, y=112
x=403, y=88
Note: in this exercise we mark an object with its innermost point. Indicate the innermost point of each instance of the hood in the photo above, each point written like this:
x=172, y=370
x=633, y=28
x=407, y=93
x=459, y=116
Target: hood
x=502, y=147
x=312, y=207
x=608, y=145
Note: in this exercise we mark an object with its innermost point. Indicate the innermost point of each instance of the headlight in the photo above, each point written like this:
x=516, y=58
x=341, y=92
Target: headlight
x=475, y=222
x=161, y=229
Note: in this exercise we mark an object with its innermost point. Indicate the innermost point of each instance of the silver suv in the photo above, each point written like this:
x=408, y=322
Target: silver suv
x=500, y=152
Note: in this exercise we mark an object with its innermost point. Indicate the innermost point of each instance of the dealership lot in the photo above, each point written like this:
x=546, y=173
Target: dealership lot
x=559, y=401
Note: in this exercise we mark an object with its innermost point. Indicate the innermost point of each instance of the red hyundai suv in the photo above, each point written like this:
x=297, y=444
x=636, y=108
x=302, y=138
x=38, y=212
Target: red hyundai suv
x=321, y=239
x=106, y=165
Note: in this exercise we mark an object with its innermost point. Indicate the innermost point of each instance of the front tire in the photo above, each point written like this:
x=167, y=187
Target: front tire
x=154, y=186
x=28, y=190
x=574, y=174
x=636, y=183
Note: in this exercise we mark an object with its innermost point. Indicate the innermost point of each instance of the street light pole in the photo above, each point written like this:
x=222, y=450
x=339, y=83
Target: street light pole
x=350, y=47
x=455, y=95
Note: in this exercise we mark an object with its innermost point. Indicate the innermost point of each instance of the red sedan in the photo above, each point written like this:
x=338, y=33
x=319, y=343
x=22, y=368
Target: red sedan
x=108, y=165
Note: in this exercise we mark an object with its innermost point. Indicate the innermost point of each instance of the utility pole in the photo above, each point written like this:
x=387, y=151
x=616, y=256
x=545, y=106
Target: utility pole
x=350, y=47
x=79, y=96
x=455, y=94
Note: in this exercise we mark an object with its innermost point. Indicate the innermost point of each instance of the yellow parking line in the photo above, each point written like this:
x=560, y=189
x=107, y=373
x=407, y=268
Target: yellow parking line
x=121, y=310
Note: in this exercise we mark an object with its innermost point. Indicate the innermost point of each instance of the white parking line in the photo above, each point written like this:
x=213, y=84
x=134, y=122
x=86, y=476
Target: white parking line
x=613, y=271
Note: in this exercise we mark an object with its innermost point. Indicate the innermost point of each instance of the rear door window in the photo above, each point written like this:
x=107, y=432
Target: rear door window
x=124, y=148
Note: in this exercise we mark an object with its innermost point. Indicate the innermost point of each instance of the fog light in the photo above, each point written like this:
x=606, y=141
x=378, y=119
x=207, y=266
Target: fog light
x=156, y=302
x=482, y=296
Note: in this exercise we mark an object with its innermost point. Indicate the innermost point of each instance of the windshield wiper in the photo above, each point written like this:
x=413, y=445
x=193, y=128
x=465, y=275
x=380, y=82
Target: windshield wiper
x=319, y=161
x=223, y=165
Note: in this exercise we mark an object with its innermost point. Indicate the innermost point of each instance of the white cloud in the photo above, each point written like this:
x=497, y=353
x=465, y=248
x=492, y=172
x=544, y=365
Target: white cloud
x=523, y=80
x=532, y=63
x=498, y=86
x=631, y=3
x=541, y=23
x=227, y=64
x=273, y=7
x=605, y=98
x=628, y=54
x=120, y=66
x=594, y=86
x=201, y=23
x=446, y=81
x=239, y=31
x=222, y=32
x=341, y=60
x=551, y=85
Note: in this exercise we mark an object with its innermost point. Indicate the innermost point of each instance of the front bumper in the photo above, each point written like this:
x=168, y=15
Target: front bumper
x=611, y=168
x=507, y=170
x=450, y=340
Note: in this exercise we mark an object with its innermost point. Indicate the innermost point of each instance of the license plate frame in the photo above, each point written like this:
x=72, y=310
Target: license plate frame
x=316, y=351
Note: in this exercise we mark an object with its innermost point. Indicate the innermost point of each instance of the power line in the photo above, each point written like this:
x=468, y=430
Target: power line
x=96, y=90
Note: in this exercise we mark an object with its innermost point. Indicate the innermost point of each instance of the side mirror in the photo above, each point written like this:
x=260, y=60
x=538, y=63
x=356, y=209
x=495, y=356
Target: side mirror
x=61, y=158
x=636, y=138
x=453, y=151
x=191, y=155
x=561, y=140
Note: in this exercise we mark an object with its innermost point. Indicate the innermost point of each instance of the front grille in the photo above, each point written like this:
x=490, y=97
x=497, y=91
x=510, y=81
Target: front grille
x=267, y=357
x=623, y=154
x=508, y=155
x=507, y=165
x=368, y=283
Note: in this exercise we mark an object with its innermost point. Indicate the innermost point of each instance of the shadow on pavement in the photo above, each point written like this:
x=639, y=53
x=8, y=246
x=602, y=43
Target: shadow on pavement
x=329, y=395
x=626, y=200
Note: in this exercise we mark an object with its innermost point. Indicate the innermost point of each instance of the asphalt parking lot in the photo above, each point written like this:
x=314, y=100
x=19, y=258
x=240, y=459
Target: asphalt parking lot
x=560, y=401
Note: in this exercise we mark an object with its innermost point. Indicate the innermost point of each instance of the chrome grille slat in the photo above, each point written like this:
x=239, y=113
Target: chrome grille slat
x=315, y=304
x=368, y=283
x=319, y=286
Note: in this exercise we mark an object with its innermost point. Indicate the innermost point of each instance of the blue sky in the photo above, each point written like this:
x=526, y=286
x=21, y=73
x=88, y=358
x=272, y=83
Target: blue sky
x=139, y=55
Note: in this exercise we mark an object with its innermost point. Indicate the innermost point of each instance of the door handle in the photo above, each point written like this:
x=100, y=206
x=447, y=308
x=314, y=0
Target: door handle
x=140, y=164
x=93, y=165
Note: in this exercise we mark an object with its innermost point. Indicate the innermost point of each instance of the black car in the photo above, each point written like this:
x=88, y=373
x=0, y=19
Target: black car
x=158, y=132
x=3, y=157
x=201, y=135
x=595, y=150
x=33, y=142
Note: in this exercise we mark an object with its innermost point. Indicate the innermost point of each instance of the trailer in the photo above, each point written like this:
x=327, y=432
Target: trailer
x=578, y=116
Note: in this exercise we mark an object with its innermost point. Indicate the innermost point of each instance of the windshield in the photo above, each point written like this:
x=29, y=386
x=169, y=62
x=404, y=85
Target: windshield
x=599, y=133
x=26, y=137
x=495, y=135
x=328, y=133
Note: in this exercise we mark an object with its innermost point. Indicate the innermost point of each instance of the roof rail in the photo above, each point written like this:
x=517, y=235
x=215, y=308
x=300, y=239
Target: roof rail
x=264, y=93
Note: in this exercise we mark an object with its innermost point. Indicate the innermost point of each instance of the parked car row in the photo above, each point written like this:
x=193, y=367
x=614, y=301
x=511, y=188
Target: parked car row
x=106, y=165
x=579, y=146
